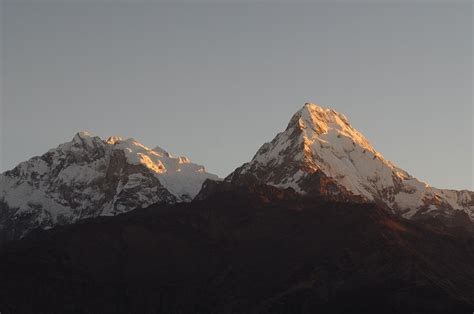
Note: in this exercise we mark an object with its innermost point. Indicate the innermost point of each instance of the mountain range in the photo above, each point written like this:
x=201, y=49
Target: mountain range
x=318, y=153
x=317, y=222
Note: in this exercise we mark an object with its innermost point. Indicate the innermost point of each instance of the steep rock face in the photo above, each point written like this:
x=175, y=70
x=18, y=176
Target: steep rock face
x=320, y=152
x=89, y=177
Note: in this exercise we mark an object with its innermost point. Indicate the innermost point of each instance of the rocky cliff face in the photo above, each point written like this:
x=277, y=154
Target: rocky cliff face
x=90, y=177
x=320, y=152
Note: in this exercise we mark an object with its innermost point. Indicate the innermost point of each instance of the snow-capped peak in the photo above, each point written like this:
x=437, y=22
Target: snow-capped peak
x=331, y=130
x=321, y=142
x=314, y=119
x=88, y=177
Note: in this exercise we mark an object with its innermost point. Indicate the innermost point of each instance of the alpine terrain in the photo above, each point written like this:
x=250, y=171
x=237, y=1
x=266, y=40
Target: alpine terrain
x=89, y=177
x=317, y=222
x=320, y=152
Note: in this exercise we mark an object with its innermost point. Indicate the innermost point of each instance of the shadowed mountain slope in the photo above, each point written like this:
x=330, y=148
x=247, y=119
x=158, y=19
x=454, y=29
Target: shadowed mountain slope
x=242, y=249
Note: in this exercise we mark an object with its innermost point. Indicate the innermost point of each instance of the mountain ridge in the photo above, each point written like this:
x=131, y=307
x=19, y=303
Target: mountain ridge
x=321, y=141
x=318, y=153
x=302, y=228
x=88, y=177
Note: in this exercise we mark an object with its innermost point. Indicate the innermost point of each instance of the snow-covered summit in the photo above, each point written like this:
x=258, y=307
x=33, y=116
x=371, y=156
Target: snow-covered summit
x=89, y=177
x=314, y=118
x=320, y=146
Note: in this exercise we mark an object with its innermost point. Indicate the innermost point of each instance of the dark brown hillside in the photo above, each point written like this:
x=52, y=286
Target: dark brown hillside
x=247, y=249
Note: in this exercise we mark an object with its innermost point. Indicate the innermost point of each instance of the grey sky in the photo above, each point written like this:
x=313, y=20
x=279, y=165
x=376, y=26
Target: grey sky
x=215, y=81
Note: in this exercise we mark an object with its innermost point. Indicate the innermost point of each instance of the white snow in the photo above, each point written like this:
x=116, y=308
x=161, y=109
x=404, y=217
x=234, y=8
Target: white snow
x=82, y=165
x=177, y=175
x=332, y=145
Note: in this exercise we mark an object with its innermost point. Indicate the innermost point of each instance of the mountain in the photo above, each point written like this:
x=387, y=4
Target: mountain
x=317, y=222
x=320, y=152
x=89, y=177
x=248, y=248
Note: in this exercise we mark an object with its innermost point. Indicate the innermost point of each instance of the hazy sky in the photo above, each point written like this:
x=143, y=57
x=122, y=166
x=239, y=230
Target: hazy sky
x=215, y=81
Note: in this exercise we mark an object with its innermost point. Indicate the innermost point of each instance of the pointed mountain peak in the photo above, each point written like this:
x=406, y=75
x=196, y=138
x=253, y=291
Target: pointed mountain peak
x=320, y=152
x=314, y=107
x=329, y=126
x=318, y=118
